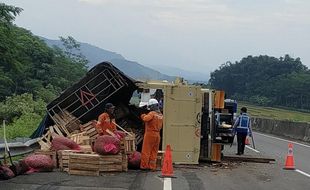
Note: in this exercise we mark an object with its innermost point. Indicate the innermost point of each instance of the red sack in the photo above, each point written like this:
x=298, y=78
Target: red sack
x=63, y=143
x=6, y=173
x=39, y=163
x=120, y=134
x=107, y=144
x=134, y=160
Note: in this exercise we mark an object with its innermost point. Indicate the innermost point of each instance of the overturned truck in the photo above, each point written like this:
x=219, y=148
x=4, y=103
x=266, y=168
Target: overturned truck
x=187, y=109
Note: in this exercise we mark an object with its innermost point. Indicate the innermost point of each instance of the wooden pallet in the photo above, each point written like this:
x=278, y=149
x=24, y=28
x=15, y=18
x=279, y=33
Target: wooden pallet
x=109, y=163
x=51, y=153
x=84, y=164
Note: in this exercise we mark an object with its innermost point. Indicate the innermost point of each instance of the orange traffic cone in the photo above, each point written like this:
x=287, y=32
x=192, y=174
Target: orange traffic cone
x=167, y=168
x=289, y=163
x=247, y=141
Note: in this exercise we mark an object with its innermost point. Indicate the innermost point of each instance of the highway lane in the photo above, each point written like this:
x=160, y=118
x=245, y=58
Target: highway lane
x=278, y=148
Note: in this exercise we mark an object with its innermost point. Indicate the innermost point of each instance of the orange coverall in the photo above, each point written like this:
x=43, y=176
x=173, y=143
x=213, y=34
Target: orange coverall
x=153, y=124
x=104, y=123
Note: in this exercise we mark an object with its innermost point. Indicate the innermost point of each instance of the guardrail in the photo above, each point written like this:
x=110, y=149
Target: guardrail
x=290, y=129
x=19, y=148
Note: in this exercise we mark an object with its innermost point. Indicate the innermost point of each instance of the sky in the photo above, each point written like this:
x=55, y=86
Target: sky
x=196, y=35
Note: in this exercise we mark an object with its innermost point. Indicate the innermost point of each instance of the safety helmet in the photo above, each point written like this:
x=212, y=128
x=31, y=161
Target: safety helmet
x=152, y=101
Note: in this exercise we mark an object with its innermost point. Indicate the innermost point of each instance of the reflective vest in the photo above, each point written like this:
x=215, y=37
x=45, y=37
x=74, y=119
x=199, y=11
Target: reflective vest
x=244, y=123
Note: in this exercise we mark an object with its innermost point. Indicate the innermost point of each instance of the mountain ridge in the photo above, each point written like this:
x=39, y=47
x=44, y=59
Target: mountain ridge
x=133, y=69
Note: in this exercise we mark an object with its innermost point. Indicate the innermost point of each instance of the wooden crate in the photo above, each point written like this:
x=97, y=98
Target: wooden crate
x=122, y=143
x=160, y=159
x=124, y=162
x=63, y=156
x=55, y=130
x=45, y=141
x=129, y=144
x=80, y=138
x=86, y=149
x=63, y=159
x=90, y=129
x=84, y=164
x=109, y=163
x=66, y=122
x=51, y=153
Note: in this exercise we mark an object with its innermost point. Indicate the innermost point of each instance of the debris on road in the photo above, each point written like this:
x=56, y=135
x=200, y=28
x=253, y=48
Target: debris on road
x=248, y=159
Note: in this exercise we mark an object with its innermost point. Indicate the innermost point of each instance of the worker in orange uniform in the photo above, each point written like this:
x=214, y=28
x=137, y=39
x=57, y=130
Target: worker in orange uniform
x=153, y=124
x=106, y=120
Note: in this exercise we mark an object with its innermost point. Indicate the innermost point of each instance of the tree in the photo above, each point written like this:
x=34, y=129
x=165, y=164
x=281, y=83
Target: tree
x=265, y=80
x=31, y=73
x=72, y=49
x=28, y=65
x=8, y=13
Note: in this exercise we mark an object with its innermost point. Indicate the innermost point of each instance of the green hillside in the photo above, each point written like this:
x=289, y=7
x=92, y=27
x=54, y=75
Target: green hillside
x=275, y=113
x=266, y=81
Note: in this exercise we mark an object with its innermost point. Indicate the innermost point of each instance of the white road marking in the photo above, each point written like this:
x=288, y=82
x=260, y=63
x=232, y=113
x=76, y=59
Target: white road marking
x=167, y=184
x=251, y=148
x=303, y=173
x=284, y=140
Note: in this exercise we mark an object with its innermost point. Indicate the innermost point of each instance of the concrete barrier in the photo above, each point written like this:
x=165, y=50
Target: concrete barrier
x=293, y=130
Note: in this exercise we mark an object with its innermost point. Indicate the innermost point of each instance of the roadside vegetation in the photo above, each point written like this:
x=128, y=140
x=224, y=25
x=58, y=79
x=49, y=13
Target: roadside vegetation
x=265, y=81
x=276, y=113
x=31, y=73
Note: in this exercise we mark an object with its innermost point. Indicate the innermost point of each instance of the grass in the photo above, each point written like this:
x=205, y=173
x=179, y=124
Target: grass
x=22, y=127
x=275, y=113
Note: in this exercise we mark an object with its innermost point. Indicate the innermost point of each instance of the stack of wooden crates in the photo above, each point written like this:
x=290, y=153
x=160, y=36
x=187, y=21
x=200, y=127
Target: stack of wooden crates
x=90, y=163
x=86, y=162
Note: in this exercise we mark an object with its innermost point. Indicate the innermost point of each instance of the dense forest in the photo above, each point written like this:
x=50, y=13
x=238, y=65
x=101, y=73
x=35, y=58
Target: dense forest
x=266, y=81
x=31, y=73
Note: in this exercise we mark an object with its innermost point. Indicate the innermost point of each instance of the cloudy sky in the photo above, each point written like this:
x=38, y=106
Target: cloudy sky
x=197, y=35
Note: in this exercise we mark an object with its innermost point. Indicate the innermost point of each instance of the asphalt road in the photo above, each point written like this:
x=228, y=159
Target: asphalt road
x=278, y=148
x=233, y=176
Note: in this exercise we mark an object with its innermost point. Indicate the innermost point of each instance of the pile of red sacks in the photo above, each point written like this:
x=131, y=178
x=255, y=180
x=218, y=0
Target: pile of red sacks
x=30, y=164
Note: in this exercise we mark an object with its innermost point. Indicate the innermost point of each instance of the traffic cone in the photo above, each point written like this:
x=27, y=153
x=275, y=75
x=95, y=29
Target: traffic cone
x=289, y=163
x=247, y=141
x=167, y=168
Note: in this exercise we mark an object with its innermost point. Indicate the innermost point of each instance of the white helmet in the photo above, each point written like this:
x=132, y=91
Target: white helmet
x=152, y=101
